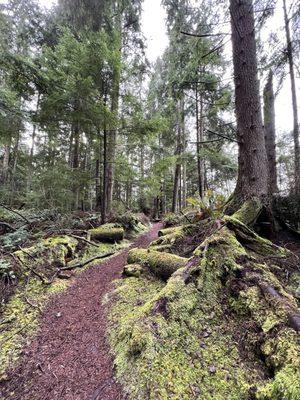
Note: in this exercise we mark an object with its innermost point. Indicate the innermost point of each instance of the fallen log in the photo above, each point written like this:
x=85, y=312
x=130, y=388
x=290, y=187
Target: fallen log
x=107, y=233
x=160, y=264
x=170, y=231
x=133, y=270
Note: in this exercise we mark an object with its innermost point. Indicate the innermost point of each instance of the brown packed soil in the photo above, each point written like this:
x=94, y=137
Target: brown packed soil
x=69, y=358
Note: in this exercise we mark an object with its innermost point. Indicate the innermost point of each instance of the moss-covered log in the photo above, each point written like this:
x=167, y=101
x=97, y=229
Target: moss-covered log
x=107, y=233
x=133, y=270
x=171, y=231
x=160, y=264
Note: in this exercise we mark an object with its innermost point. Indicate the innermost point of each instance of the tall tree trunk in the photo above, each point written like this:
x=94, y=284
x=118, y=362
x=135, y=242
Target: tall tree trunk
x=14, y=163
x=178, y=166
x=142, y=177
x=105, y=167
x=112, y=135
x=33, y=136
x=5, y=162
x=270, y=134
x=184, y=143
x=253, y=164
x=75, y=165
x=199, y=131
x=294, y=98
x=98, y=183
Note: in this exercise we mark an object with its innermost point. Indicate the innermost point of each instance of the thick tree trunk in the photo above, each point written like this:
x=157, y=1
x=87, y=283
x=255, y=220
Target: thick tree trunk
x=270, y=134
x=253, y=165
x=290, y=56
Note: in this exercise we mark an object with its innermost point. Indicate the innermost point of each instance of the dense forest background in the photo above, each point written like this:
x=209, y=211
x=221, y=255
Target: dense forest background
x=88, y=124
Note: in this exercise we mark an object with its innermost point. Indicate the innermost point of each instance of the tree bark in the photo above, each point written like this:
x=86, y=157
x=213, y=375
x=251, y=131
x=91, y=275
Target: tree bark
x=270, y=134
x=199, y=130
x=104, y=193
x=253, y=165
x=177, y=167
x=290, y=56
x=5, y=162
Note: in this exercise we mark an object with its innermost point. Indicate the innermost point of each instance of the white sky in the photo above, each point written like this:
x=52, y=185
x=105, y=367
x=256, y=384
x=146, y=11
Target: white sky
x=153, y=23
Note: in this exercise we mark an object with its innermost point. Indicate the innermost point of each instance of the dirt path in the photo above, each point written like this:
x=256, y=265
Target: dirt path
x=69, y=359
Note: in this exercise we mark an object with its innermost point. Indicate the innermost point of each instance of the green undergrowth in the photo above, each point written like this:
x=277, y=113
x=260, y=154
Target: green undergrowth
x=214, y=331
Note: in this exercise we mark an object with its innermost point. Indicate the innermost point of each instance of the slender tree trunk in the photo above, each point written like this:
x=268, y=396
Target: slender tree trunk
x=142, y=175
x=104, y=195
x=14, y=163
x=184, y=143
x=270, y=134
x=75, y=166
x=290, y=56
x=178, y=167
x=5, y=162
x=253, y=165
x=112, y=136
x=199, y=131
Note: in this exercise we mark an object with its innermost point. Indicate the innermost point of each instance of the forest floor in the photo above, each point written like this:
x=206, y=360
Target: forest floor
x=69, y=359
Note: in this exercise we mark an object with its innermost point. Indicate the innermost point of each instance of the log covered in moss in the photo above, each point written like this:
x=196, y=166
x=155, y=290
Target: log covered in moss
x=160, y=264
x=107, y=233
x=133, y=270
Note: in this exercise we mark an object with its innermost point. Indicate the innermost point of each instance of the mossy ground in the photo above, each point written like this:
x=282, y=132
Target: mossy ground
x=188, y=354
x=19, y=317
x=210, y=332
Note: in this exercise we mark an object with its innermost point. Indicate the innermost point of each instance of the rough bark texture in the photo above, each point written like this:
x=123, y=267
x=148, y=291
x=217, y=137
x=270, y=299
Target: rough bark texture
x=270, y=134
x=253, y=167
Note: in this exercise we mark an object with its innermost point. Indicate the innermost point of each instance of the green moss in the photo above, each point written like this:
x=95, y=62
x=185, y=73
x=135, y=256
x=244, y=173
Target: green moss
x=175, y=343
x=172, y=341
x=23, y=310
x=134, y=270
x=25, y=306
x=162, y=265
x=249, y=211
x=107, y=233
x=49, y=251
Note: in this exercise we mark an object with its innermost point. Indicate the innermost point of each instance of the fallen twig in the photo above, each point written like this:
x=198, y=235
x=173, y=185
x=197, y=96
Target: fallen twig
x=84, y=263
x=31, y=304
x=84, y=240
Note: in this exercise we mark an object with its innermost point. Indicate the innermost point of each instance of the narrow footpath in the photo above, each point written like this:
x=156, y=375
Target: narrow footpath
x=69, y=358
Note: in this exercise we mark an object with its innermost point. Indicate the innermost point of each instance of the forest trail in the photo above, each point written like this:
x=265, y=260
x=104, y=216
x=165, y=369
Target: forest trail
x=69, y=358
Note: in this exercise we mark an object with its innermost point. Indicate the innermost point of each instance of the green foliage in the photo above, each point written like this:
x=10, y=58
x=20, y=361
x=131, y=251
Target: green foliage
x=211, y=204
x=12, y=240
x=7, y=274
x=171, y=219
